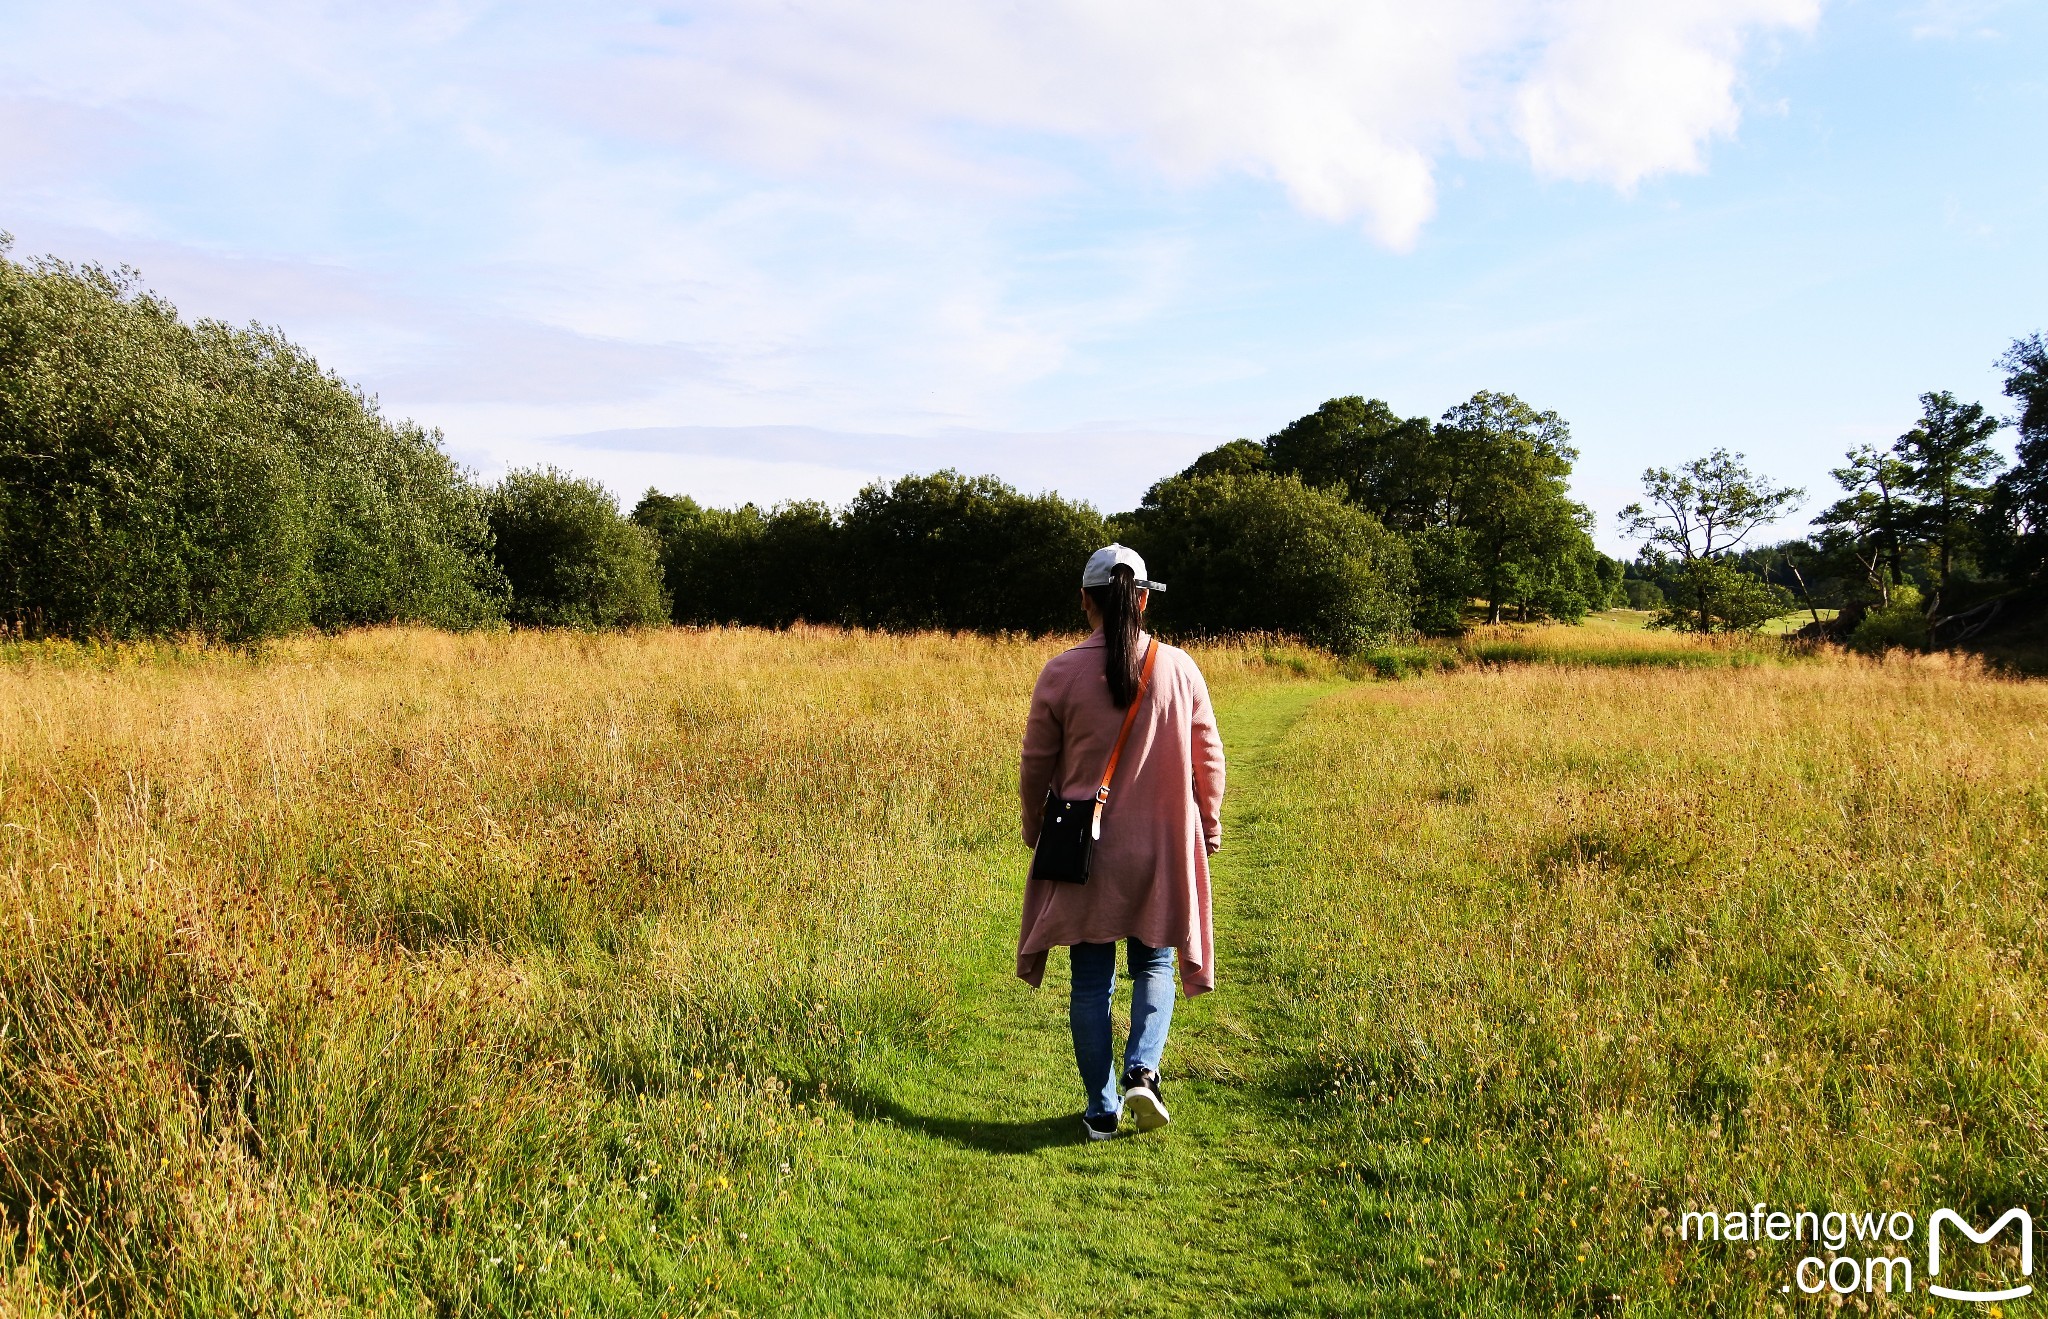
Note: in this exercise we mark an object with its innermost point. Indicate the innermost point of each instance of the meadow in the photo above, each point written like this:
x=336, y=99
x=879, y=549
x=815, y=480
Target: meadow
x=667, y=973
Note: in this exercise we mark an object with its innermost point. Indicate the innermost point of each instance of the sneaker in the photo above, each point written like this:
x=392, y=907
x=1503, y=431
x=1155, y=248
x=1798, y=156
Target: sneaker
x=1099, y=1126
x=1141, y=1097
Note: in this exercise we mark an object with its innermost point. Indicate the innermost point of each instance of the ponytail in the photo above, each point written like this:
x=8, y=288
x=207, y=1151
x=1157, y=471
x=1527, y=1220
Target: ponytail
x=1118, y=601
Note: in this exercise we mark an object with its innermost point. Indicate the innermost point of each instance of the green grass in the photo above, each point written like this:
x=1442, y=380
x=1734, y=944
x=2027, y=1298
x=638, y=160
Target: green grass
x=671, y=974
x=960, y=1186
x=1616, y=638
x=1637, y=620
x=1587, y=949
x=1787, y=624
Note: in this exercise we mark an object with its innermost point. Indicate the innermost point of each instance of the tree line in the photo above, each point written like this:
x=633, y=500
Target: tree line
x=1932, y=539
x=160, y=477
x=1349, y=526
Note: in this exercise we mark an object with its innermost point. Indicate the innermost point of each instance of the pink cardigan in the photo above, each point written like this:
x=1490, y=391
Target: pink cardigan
x=1150, y=877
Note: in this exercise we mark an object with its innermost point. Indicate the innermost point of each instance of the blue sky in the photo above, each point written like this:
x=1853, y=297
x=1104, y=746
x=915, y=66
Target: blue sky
x=764, y=251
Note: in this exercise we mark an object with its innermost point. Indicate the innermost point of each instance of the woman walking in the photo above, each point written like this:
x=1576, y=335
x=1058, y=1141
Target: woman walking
x=1122, y=783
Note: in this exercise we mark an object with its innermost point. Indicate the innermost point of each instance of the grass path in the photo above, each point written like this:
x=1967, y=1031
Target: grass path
x=961, y=1185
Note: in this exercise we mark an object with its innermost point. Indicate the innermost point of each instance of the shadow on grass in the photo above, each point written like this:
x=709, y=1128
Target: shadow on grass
x=991, y=1137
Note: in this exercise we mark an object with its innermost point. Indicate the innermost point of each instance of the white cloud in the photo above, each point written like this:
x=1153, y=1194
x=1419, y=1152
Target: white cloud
x=1626, y=89
x=525, y=218
x=1346, y=104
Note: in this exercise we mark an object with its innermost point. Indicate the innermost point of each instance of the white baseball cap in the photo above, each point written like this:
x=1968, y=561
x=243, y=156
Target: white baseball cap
x=1110, y=556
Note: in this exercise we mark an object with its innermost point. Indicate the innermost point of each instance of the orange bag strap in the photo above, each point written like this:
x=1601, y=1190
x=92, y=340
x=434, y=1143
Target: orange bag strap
x=1117, y=752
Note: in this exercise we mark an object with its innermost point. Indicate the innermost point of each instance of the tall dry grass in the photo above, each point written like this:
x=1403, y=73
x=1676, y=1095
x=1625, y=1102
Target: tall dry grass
x=1619, y=641
x=470, y=974
x=1614, y=639
x=1585, y=948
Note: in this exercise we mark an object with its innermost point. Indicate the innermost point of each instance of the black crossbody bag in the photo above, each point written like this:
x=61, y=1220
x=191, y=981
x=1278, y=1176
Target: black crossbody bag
x=1067, y=833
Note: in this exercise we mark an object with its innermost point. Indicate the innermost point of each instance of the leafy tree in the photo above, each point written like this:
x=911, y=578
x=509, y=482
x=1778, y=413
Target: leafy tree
x=1566, y=584
x=1642, y=593
x=1387, y=465
x=158, y=477
x=1266, y=553
x=2017, y=512
x=1695, y=517
x=1524, y=531
x=938, y=551
x=800, y=562
x=1237, y=458
x=571, y=559
x=1445, y=577
x=1719, y=597
x=129, y=509
x=396, y=530
x=1874, y=522
x=710, y=565
x=919, y=547
x=1036, y=581
x=1608, y=573
x=1919, y=508
x=2026, y=383
x=745, y=565
x=1809, y=572
x=952, y=551
x=1480, y=497
x=667, y=516
x=1950, y=457
x=1900, y=622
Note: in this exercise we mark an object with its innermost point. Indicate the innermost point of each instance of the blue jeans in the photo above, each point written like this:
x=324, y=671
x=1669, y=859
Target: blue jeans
x=1094, y=980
